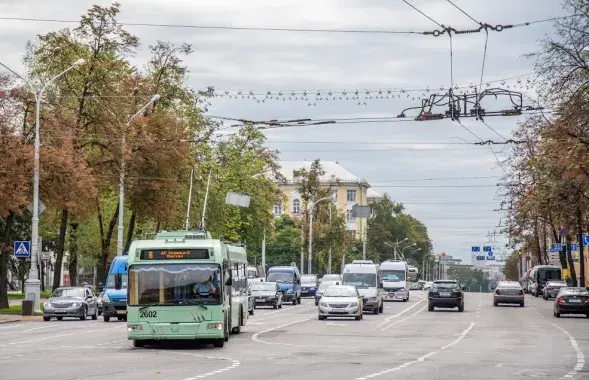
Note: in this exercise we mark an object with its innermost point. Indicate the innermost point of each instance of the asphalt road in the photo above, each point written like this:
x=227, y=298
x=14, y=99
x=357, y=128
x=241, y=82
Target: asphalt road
x=406, y=342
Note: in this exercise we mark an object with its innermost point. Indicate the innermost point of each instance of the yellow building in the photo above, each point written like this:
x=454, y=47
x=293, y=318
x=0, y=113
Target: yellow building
x=348, y=190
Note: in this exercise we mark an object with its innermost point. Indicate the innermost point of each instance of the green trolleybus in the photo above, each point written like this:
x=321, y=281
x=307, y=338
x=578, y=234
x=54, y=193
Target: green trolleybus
x=184, y=285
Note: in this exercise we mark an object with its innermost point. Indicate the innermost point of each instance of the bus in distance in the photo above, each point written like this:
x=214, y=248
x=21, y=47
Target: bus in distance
x=184, y=285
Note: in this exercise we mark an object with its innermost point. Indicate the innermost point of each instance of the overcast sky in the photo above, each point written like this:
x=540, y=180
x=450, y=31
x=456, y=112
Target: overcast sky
x=398, y=158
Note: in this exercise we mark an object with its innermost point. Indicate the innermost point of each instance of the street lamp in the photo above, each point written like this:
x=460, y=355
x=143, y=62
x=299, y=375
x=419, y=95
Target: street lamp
x=33, y=283
x=122, y=176
x=311, y=206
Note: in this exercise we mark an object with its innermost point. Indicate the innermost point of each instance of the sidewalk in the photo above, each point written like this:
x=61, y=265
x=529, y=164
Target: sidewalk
x=11, y=318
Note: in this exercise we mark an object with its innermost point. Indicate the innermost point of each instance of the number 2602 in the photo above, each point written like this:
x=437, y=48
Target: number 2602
x=148, y=314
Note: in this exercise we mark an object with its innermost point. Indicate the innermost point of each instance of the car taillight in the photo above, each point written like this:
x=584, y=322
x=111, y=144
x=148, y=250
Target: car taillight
x=521, y=292
x=587, y=300
x=497, y=292
x=560, y=300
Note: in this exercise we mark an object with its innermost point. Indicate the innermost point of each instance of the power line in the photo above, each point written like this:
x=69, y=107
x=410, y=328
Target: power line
x=462, y=10
x=429, y=18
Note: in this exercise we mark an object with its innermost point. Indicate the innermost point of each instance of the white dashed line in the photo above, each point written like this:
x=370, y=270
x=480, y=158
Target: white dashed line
x=421, y=358
x=396, y=315
x=234, y=364
x=404, y=319
x=256, y=335
x=580, y=357
x=33, y=329
x=60, y=336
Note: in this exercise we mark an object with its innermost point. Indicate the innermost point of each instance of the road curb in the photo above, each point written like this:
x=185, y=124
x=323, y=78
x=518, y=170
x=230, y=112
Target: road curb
x=3, y=321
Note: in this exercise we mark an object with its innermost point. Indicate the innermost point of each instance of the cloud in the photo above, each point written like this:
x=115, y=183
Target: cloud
x=390, y=152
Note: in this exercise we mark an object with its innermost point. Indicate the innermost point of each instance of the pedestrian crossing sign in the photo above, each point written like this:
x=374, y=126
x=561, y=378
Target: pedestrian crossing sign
x=22, y=249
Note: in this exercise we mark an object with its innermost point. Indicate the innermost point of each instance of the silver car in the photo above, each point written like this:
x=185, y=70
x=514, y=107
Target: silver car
x=509, y=292
x=552, y=288
x=71, y=301
x=341, y=301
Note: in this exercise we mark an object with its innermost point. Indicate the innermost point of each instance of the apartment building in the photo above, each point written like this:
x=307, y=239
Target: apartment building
x=347, y=190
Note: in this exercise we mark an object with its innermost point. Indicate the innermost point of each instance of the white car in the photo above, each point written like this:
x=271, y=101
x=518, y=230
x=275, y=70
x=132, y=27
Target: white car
x=428, y=285
x=340, y=301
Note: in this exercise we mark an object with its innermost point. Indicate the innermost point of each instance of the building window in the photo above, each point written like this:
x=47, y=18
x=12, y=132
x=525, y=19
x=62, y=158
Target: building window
x=296, y=207
x=350, y=217
x=277, y=209
x=334, y=195
x=351, y=196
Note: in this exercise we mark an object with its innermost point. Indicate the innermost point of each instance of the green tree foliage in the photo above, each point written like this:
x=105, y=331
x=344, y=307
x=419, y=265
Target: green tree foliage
x=389, y=225
x=285, y=246
x=473, y=279
x=511, y=269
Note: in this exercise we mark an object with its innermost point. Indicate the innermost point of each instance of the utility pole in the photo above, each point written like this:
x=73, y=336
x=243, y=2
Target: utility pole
x=329, y=252
x=302, y=247
x=264, y=251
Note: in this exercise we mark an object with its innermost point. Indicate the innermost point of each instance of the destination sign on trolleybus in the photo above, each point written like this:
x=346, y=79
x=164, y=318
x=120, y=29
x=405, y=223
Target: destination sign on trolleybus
x=174, y=254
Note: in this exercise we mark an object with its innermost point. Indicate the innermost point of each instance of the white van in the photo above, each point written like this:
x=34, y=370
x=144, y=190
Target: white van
x=395, y=280
x=365, y=276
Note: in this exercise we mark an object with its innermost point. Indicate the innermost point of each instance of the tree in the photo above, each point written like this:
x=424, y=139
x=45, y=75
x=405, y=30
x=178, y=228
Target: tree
x=473, y=279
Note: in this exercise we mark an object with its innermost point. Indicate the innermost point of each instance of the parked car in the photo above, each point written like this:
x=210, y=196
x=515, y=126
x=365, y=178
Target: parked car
x=71, y=301
x=571, y=300
x=267, y=294
x=509, y=292
x=552, y=288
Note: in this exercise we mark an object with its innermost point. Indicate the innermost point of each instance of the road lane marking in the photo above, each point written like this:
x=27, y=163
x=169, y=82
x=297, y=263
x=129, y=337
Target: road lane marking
x=60, y=336
x=234, y=364
x=256, y=335
x=421, y=358
x=33, y=329
x=580, y=357
x=404, y=319
x=335, y=324
x=396, y=315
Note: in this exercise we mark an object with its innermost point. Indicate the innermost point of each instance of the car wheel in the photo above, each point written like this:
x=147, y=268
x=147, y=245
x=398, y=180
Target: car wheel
x=316, y=303
x=275, y=306
x=95, y=316
x=381, y=308
x=495, y=303
x=321, y=317
x=46, y=319
x=280, y=305
x=120, y=318
x=138, y=343
x=461, y=308
x=84, y=313
x=105, y=318
x=430, y=307
x=521, y=304
x=60, y=318
x=359, y=317
x=237, y=330
x=557, y=315
x=219, y=343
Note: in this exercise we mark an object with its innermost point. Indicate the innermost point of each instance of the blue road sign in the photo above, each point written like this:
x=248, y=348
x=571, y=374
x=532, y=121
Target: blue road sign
x=586, y=240
x=558, y=246
x=475, y=249
x=480, y=258
x=490, y=253
x=574, y=247
x=490, y=257
x=552, y=250
x=22, y=249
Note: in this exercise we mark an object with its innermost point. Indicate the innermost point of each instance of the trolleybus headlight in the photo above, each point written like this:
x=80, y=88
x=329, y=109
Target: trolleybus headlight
x=131, y=328
x=215, y=326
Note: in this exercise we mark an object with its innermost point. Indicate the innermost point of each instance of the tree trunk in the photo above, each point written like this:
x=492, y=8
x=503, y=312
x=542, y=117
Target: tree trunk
x=581, y=255
x=105, y=242
x=73, y=260
x=537, y=242
x=157, y=227
x=564, y=246
x=130, y=232
x=60, y=249
x=6, y=238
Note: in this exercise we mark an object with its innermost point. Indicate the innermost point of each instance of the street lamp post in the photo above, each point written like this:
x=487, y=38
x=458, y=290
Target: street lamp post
x=33, y=283
x=311, y=206
x=122, y=176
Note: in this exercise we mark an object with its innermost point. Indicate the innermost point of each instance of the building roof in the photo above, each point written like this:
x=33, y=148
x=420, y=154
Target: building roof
x=372, y=194
x=333, y=171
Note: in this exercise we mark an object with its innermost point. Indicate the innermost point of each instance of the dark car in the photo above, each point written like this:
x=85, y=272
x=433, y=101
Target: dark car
x=71, y=301
x=267, y=294
x=309, y=285
x=446, y=294
x=571, y=300
x=250, y=300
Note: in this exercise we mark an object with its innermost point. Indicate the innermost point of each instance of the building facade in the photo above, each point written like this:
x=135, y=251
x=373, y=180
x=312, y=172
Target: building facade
x=347, y=191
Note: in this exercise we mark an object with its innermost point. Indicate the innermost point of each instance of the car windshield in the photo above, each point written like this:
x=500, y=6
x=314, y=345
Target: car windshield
x=69, y=292
x=393, y=275
x=331, y=277
x=360, y=280
x=445, y=285
x=284, y=277
x=175, y=284
x=574, y=291
x=263, y=287
x=110, y=281
x=308, y=280
x=508, y=285
x=251, y=273
x=548, y=274
x=340, y=291
x=326, y=284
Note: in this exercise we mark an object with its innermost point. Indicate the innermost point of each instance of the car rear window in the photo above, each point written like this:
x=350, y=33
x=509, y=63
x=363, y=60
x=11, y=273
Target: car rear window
x=509, y=286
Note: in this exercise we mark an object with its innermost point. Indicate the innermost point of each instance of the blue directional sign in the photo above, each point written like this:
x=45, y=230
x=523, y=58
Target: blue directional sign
x=558, y=246
x=22, y=249
x=574, y=247
x=490, y=257
x=552, y=250
x=480, y=258
x=487, y=248
x=490, y=253
x=585, y=240
x=475, y=249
